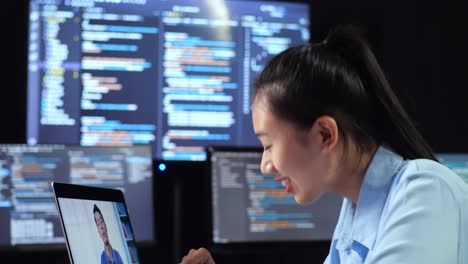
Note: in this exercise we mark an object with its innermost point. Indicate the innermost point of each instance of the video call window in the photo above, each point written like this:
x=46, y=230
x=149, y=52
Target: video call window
x=91, y=225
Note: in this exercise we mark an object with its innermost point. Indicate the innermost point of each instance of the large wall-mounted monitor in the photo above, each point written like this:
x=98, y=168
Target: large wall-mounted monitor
x=28, y=214
x=175, y=74
x=248, y=206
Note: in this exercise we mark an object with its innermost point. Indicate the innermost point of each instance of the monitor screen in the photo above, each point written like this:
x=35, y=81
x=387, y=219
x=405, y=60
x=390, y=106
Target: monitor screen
x=28, y=214
x=260, y=210
x=174, y=74
x=457, y=162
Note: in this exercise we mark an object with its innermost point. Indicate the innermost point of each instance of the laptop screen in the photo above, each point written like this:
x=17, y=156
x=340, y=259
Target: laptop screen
x=97, y=230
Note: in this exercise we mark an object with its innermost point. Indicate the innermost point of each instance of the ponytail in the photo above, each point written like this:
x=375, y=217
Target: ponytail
x=341, y=77
x=394, y=123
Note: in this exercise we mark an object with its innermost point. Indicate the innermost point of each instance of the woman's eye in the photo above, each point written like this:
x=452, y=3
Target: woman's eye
x=267, y=148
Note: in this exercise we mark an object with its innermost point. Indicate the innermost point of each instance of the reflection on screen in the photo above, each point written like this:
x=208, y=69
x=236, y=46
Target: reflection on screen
x=98, y=231
x=259, y=208
x=174, y=74
x=28, y=214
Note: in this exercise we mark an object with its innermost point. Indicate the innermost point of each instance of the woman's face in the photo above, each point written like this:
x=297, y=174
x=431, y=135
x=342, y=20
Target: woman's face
x=294, y=157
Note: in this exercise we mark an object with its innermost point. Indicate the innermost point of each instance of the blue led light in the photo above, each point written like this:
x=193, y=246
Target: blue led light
x=162, y=167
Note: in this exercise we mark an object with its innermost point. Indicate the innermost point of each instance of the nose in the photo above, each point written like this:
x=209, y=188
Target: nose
x=267, y=166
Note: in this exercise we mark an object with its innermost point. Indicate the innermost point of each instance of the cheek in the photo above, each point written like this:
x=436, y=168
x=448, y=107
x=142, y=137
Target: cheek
x=287, y=161
x=302, y=165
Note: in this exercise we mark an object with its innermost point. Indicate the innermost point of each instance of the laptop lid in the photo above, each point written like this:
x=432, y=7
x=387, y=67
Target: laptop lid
x=96, y=224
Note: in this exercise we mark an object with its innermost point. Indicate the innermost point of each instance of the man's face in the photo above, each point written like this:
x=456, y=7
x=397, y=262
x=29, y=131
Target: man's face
x=101, y=226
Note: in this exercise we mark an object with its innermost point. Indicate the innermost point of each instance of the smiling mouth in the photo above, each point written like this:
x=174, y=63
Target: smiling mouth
x=286, y=183
x=283, y=182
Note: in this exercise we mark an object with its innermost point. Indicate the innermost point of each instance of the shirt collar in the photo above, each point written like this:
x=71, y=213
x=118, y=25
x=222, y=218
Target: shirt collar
x=364, y=220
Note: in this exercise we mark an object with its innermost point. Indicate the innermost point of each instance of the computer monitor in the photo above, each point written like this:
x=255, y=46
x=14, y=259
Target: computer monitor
x=458, y=162
x=28, y=215
x=248, y=206
x=174, y=74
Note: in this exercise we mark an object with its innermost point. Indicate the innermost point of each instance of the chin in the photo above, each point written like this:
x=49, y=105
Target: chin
x=302, y=200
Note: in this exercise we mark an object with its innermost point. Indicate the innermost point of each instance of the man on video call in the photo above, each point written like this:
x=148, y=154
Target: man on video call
x=109, y=255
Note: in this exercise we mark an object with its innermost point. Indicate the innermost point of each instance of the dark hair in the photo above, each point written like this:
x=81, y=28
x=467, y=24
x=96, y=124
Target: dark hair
x=340, y=77
x=96, y=209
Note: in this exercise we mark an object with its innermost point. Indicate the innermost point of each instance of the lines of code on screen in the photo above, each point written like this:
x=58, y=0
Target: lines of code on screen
x=28, y=214
x=174, y=74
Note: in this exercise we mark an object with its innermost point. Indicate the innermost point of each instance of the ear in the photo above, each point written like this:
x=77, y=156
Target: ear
x=325, y=131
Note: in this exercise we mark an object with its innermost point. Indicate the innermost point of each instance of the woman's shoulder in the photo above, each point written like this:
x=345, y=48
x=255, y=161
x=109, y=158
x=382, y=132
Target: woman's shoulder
x=428, y=166
x=425, y=195
x=429, y=172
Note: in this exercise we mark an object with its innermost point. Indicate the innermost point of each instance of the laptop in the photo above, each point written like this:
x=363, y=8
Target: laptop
x=96, y=224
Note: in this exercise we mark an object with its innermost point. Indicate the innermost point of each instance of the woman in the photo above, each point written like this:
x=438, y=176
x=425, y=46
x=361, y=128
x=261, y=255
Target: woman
x=329, y=121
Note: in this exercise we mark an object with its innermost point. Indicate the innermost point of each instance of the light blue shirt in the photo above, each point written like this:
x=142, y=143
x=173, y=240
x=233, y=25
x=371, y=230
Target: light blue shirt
x=407, y=212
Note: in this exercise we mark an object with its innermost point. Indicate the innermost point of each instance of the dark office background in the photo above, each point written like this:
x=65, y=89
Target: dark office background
x=421, y=46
